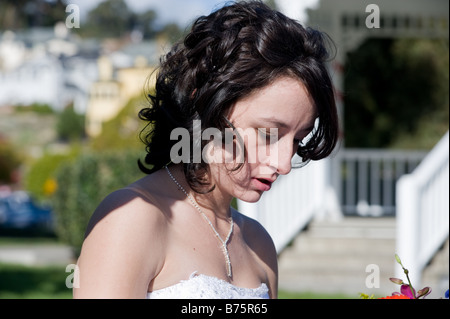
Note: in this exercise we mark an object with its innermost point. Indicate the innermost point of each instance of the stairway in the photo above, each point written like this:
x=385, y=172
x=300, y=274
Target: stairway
x=339, y=257
x=436, y=274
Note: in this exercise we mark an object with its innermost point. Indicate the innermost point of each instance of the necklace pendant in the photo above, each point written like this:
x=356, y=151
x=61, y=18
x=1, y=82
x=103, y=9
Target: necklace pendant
x=229, y=274
x=227, y=261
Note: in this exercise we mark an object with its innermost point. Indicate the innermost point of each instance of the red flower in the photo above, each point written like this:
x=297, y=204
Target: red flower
x=398, y=296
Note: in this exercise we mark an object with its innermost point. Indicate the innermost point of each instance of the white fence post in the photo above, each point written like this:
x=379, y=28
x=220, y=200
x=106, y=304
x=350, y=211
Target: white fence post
x=248, y=209
x=423, y=211
x=407, y=229
x=325, y=193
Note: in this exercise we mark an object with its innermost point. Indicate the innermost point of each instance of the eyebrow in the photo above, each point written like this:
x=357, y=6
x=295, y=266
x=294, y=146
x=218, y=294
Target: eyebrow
x=281, y=124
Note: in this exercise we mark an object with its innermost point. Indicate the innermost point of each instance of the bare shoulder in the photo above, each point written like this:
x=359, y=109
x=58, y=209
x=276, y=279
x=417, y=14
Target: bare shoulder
x=125, y=205
x=261, y=243
x=123, y=248
x=255, y=234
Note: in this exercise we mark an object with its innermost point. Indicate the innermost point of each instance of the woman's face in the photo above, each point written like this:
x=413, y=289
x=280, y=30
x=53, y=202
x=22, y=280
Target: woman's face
x=271, y=122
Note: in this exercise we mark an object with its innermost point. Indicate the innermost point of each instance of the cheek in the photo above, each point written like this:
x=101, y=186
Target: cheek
x=234, y=180
x=242, y=148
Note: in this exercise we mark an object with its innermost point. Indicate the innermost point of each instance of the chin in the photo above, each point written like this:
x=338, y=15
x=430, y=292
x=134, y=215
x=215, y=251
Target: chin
x=250, y=197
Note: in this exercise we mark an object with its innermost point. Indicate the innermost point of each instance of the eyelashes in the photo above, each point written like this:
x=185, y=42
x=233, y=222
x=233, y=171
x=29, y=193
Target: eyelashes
x=271, y=137
x=267, y=134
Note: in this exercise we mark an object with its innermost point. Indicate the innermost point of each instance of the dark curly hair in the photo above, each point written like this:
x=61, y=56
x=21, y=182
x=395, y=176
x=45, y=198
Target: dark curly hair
x=227, y=55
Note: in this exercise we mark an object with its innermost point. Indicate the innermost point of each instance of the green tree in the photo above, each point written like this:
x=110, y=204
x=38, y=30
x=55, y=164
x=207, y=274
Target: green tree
x=18, y=14
x=70, y=125
x=392, y=87
x=110, y=19
x=144, y=22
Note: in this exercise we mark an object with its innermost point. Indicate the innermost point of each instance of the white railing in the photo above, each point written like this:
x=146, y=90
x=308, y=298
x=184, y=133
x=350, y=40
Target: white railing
x=423, y=211
x=354, y=181
x=292, y=202
x=366, y=179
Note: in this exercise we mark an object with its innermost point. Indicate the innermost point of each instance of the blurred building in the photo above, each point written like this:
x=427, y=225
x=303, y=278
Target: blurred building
x=114, y=88
x=54, y=67
x=47, y=66
x=125, y=70
x=38, y=79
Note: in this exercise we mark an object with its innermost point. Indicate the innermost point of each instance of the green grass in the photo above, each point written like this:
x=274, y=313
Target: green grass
x=26, y=282
x=312, y=295
x=32, y=282
x=27, y=241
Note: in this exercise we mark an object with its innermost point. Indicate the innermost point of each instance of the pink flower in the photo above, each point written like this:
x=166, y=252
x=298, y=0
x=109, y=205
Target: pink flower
x=410, y=292
x=406, y=290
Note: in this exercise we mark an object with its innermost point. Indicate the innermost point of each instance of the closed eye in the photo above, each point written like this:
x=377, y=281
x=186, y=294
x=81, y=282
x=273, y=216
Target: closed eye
x=270, y=135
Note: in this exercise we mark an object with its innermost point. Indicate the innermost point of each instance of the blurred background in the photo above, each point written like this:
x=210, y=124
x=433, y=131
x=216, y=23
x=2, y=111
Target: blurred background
x=74, y=74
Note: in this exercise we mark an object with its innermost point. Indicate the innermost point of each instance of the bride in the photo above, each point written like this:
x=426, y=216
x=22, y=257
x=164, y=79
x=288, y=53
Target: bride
x=256, y=85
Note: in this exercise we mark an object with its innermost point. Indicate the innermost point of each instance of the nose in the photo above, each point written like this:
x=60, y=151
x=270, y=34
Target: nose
x=284, y=163
x=281, y=157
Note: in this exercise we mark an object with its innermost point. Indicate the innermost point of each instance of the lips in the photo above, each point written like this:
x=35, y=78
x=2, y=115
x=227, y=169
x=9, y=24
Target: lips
x=262, y=184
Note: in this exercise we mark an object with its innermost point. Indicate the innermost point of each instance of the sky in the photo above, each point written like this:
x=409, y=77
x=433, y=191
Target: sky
x=184, y=12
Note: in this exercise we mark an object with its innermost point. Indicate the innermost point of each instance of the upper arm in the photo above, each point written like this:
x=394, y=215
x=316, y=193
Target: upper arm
x=123, y=249
x=268, y=254
x=259, y=240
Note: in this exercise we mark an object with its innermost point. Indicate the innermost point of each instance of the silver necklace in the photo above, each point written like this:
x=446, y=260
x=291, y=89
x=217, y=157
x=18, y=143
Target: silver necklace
x=223, y=242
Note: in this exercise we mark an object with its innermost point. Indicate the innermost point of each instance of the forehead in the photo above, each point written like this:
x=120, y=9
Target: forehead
x=286, y=99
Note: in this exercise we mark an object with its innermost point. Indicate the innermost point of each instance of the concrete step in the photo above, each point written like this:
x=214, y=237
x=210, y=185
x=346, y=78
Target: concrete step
x=354, y=227
x=343, y=246
x=345, y=256
x=436, y=275
x=341, y=257
x=332, y=264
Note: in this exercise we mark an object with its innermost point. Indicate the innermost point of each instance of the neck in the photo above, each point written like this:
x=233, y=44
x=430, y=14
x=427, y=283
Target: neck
x=223, y=241
x=216, y=201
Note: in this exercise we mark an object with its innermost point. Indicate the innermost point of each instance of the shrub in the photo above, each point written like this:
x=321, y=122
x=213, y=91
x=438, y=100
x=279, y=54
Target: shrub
x=82, y=185
x=41, y=174
x=9, y=161
x=70, y=125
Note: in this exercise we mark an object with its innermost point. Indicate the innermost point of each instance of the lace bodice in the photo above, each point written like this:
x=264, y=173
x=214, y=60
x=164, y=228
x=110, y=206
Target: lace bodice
x=200, y=286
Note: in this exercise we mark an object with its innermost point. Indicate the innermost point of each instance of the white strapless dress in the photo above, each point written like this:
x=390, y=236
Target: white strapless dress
x=200, y=286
